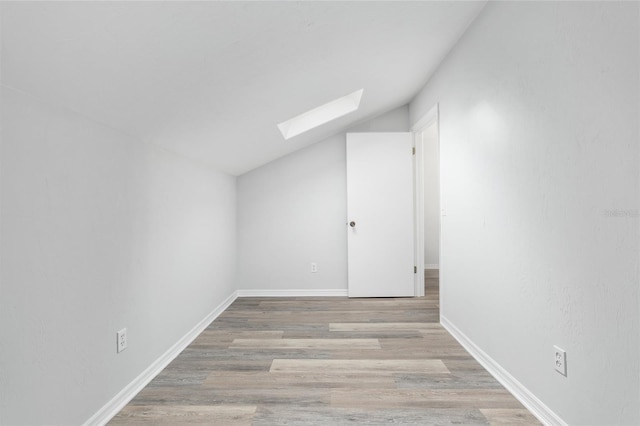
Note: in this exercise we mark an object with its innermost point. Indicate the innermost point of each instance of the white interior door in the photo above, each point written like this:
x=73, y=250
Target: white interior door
x=380, y=214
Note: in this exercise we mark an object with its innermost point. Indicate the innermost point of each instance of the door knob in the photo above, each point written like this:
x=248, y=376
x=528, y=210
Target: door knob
x=352, y=224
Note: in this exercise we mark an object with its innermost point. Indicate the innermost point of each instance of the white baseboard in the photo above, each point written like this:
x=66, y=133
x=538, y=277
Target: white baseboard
x=123, y=397
x=337, y=292
x=521, y=393
x=431, y=266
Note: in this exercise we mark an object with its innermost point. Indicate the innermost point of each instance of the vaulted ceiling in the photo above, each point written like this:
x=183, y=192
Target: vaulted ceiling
x=211, y=80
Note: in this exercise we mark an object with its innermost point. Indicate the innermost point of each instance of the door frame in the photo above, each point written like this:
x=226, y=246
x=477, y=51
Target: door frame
x=431, y=117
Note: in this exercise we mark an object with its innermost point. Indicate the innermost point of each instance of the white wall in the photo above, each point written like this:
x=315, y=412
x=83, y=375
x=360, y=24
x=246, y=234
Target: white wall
x=292, y=212
x=99, y=232
x=431, y=186
x=539, y=154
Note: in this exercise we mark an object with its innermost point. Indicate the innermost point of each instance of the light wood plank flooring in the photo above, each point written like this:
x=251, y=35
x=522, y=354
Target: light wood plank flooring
x=326, y=361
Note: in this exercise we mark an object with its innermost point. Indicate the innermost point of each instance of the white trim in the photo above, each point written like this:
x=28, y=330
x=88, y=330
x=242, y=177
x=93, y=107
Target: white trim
x=332, y=292
x=521, y=393
x=431, y=266
x=427, y=120
x=418, y=212
x=430, y=118
x=118, y=402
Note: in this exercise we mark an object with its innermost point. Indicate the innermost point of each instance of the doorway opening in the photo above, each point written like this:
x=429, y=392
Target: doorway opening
x=428, y=206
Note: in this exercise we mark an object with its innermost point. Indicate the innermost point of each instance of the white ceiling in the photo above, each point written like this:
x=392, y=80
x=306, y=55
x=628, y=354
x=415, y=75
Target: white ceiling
x=211, y=80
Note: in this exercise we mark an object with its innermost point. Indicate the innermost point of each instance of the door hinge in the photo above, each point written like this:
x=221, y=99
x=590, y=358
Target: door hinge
x=413, y=150
x=415, y=269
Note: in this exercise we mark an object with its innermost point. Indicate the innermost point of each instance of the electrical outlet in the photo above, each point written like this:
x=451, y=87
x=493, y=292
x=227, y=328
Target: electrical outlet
x=314, y=267
x=560, y=360
x=122, y=340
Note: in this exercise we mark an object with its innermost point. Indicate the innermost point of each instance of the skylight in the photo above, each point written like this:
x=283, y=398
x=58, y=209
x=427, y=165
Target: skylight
x=321, y=115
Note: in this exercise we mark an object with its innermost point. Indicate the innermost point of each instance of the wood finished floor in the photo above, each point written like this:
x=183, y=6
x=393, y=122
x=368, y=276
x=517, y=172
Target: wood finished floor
x=326, y=361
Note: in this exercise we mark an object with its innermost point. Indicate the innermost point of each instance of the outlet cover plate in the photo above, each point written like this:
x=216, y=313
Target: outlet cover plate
x=560, y=360
x=122, y=340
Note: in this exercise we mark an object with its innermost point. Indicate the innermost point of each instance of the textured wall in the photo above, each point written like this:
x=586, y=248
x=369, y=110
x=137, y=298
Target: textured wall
x=539, y=142
x=99, y=232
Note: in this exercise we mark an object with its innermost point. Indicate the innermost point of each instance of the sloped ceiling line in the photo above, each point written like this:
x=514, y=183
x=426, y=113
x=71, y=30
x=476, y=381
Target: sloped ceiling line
x=211, y=80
